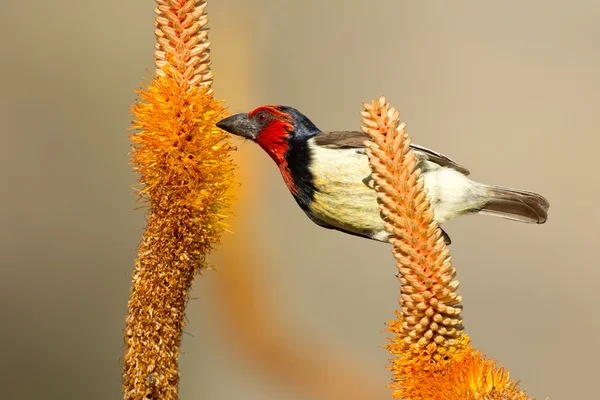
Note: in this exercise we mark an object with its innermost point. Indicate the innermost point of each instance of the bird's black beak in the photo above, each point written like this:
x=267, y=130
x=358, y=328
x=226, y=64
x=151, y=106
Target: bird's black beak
x=240, y=125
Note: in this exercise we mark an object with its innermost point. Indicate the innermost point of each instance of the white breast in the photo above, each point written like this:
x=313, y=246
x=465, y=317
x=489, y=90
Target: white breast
x=344, y=194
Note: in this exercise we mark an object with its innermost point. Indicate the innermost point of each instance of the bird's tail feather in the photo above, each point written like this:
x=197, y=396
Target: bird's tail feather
x=517, y=205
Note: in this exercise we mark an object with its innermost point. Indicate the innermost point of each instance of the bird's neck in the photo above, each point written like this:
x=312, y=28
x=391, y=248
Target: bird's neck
x=296, y=172
x=291, y=152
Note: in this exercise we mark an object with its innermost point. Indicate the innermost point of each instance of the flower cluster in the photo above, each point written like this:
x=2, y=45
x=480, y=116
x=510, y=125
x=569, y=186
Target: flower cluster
x=184, y=168
x=433, y=357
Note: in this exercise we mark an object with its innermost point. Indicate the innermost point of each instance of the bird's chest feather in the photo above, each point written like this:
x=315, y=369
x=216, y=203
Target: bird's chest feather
x=344, y=194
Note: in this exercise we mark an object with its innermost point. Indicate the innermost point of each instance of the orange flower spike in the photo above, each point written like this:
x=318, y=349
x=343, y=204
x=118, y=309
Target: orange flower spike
x=470, y=377
x=184, y=169
x=430, y=310
x=182, y=42
x=433, y=357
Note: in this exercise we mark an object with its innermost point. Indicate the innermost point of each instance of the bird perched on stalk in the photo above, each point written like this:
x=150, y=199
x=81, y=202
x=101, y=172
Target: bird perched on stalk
x=328, y=174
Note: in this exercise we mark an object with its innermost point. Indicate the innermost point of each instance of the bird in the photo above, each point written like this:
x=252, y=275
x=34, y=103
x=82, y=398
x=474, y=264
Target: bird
x=329, y=176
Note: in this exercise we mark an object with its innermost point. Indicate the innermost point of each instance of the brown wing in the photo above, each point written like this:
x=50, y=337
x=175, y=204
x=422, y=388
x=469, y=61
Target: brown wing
x=341, y=139
x=355, y=139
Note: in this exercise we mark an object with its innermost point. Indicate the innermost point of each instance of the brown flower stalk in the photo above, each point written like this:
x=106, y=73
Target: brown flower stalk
x=184, y=168
x=433, y=357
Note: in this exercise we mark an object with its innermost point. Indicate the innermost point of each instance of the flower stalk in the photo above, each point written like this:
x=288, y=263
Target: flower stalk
x=433, y=357
x=184, y=170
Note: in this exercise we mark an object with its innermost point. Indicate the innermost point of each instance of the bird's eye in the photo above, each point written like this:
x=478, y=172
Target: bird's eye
x=261, y=117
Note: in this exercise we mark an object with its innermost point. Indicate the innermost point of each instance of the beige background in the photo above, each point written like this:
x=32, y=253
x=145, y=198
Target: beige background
x=509, y=89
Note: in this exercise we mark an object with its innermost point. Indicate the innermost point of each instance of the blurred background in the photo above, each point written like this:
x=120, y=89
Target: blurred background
x=508, y=89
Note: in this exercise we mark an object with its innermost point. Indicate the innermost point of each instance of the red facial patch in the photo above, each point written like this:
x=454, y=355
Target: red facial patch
x=273, y=139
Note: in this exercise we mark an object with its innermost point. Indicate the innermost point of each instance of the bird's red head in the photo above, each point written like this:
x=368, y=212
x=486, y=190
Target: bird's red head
x=275, y=128
x=281, y=131
x=270, y=126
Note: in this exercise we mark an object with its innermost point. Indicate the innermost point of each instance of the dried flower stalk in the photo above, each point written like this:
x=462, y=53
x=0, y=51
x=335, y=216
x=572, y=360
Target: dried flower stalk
x=433, y=357
x=184, y=167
